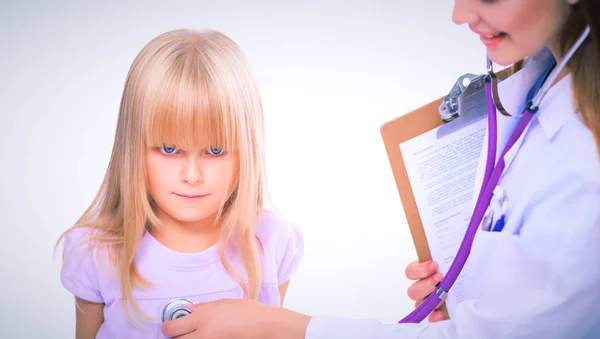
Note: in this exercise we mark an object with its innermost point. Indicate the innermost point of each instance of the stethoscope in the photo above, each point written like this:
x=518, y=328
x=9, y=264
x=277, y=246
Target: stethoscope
x=492, y=174
x=176, y=308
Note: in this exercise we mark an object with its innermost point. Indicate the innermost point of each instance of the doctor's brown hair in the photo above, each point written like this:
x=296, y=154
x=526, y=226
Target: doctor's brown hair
x=584, y=65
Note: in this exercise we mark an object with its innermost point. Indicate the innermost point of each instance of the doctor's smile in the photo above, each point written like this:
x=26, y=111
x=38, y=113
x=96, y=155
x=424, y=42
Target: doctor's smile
x=492, y=40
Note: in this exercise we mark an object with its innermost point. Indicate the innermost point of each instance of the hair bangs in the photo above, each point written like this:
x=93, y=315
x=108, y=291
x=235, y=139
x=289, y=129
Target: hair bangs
x=187, y=110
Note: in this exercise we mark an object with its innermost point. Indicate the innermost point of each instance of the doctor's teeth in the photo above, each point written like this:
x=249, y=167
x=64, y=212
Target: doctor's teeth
x=493, y=35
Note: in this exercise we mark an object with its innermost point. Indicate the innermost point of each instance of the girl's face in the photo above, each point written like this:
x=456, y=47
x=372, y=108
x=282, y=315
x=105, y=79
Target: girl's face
x=188, y=186
x=513, y=29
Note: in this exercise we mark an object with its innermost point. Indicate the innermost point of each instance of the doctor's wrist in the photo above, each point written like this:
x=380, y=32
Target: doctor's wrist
x=280, y=323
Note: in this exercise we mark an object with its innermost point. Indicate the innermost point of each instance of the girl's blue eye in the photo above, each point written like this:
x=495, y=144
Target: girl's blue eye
x=216, y=150
x=168, y=149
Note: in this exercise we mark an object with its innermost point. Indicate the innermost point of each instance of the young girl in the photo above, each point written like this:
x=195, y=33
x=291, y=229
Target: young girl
x=180, y=211
x=536, y=275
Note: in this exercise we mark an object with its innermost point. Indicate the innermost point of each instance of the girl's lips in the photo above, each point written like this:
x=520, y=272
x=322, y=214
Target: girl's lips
x=190, y=196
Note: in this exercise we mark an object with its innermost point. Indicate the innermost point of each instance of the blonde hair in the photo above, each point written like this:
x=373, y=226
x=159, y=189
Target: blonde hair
x=184, y=88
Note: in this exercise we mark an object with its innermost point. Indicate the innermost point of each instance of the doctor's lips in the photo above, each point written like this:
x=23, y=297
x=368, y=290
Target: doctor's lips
x=491, y=39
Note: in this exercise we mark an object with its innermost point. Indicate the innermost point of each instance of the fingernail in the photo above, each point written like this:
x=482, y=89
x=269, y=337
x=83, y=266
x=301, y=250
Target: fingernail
x=439, y=317
x=433, y=266
x=437, y=277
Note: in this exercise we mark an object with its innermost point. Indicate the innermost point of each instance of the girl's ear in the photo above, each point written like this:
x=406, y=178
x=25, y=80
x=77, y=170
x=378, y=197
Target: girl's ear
x=151, y=200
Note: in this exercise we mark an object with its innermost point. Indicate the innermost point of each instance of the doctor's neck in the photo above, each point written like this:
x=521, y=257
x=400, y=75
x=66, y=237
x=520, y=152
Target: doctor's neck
x=554, y=48
x=573, y=16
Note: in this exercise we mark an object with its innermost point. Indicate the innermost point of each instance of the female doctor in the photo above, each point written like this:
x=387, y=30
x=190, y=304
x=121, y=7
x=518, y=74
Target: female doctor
x=535, y=262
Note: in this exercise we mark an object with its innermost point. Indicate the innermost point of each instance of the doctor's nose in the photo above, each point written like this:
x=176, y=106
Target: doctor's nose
x=192, y=171
x=462, y=12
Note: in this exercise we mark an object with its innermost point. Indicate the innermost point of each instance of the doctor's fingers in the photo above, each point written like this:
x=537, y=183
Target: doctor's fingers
x=437, y=314
x=419, y=302
x=191, y=335
x=416, y=270
x=420, y=289
x=182, y=328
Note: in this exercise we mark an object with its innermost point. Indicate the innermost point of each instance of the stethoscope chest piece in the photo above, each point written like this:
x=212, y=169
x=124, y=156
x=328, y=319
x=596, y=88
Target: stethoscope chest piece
x=176, y=309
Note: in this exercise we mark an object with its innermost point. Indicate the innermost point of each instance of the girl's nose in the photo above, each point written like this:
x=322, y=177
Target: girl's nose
x=192, y=173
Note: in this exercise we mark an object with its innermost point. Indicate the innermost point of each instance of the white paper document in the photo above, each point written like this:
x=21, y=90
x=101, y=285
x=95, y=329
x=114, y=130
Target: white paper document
x=442, y=174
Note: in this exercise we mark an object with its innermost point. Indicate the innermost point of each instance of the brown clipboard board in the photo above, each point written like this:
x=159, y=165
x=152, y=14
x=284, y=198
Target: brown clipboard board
x=402, y=129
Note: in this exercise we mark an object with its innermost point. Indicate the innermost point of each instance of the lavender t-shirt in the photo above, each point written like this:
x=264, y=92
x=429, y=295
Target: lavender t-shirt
x=198, y=277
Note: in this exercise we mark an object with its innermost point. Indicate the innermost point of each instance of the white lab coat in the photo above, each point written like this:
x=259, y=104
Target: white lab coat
x=540, y=276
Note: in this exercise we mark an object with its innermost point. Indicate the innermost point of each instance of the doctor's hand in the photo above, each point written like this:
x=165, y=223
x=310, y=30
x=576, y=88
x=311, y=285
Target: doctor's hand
x=218, y=319
x=426, y=276
x=234, y=318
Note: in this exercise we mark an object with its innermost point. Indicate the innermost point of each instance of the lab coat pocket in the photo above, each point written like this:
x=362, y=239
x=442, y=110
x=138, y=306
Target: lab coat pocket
x=484, y=246
x=482, y=241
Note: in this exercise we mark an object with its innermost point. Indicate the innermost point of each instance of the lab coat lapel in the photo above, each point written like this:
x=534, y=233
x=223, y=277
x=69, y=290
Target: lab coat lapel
x=512, y=153
x=512, y=92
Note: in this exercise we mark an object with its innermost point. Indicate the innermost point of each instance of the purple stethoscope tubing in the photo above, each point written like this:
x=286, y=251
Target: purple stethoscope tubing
x=490, y=180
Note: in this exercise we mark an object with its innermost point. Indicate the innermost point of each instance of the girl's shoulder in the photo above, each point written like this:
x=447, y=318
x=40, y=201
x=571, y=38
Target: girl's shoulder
x=282, y=241
x=276, y=227
x=83, y=242
x=84, y=260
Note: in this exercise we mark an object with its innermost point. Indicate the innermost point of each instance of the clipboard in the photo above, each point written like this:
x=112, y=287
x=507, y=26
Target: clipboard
x=447, y=114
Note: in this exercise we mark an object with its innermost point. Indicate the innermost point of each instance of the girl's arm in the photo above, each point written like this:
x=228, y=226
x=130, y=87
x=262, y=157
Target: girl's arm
x=283, y=290
x=89, y=318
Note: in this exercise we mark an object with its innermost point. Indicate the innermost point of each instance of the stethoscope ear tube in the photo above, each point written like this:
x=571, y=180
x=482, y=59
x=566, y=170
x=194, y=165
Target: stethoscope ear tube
x=561, y=65
x=494, y=87
x=533, y=105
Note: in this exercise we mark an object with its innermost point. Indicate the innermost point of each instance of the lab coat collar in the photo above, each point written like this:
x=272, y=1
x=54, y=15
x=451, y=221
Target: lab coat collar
x=554, y=108
x=513, y=90
x=557, y=104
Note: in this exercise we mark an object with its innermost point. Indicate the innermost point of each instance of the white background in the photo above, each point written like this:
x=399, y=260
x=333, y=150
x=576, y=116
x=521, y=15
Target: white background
x=331, y=73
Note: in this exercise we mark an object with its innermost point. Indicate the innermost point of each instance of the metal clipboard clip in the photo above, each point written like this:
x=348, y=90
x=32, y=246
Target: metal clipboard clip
x=464, y=104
